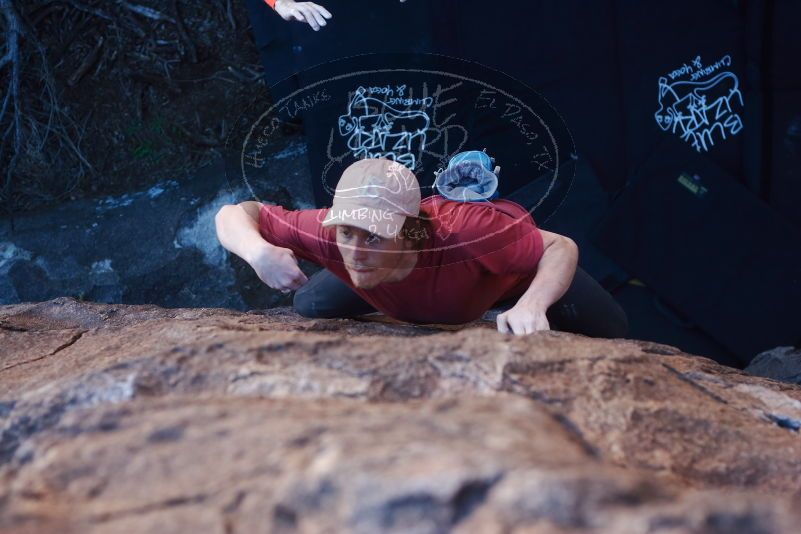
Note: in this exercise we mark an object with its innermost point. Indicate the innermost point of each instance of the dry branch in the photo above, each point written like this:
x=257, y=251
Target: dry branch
x=43, y=151
x=87, y=63
x=146, y=12
x=183, y=34
x=13, y=31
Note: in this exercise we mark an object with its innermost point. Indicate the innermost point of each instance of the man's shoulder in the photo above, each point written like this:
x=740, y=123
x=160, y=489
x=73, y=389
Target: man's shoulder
x=304, y=216
x=468, y=218
x=299, y=230
x=467, y=230
x=499, y=235
x=501, y=205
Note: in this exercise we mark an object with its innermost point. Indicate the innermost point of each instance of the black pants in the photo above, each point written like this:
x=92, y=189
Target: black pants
x=585, y=308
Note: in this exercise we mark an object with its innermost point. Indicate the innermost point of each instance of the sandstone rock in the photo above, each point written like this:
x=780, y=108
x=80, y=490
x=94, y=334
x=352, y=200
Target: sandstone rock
x=119, y=418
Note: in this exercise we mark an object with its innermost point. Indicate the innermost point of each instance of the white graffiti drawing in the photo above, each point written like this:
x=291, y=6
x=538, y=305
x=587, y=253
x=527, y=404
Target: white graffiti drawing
x=699, y=111
x=374, y=129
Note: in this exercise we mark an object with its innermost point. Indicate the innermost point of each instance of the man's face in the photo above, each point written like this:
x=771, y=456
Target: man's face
x=369, y=258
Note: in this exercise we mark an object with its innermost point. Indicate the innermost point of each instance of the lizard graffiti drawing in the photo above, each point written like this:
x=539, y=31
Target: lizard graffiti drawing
x=700, y=111
x=374, y=129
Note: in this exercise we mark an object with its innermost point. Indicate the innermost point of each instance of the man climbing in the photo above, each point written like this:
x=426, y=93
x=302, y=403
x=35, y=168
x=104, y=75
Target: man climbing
x=431, y=260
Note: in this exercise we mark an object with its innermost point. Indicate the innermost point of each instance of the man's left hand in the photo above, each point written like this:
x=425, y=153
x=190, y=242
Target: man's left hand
x=522, y=319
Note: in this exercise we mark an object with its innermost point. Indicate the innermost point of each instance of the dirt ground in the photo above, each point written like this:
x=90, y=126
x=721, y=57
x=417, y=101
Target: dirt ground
x=116, y=96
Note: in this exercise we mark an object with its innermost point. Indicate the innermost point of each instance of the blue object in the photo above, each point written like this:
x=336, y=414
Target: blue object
x=472, y=155
x=469, y=177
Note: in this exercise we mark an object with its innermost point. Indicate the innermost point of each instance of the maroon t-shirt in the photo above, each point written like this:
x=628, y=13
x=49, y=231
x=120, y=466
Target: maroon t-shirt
x=478, y=253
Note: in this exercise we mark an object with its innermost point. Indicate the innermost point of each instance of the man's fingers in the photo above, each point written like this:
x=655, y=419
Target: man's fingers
x=309, y=16
x=297, y=15
x=513, y=328
x=503, y=325
x=327, y=14
x=296, y=284
x=520, y=327
x=318, y=16
x=528, y=329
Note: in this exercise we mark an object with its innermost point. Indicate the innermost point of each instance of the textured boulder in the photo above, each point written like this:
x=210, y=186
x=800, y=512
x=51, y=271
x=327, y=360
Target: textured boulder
x=132, y=419
x=780, y=363
x=155, y=245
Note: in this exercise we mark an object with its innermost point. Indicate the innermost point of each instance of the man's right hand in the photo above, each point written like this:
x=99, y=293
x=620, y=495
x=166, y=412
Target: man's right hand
x=278, y=268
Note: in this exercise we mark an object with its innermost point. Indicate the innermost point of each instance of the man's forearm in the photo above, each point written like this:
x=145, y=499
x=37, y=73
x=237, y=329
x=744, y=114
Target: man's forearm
x=239, y=233
x=555, y=272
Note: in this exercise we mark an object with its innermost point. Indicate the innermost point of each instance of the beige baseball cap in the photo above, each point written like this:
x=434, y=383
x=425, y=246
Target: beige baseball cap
x=375, y=194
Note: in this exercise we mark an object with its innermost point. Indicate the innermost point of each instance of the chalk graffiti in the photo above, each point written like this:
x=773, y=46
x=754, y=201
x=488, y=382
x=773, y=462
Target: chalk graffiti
x=375, y=129
x=699, y=110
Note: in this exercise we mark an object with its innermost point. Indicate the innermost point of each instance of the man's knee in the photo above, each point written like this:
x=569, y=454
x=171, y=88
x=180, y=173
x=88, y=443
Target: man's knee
x=618, y=323
x=622, y=328
x=306, y=302
x=303, y=303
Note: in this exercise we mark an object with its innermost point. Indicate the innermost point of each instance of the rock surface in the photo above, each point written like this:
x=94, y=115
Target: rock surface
x=137, y=418
x=157, y=245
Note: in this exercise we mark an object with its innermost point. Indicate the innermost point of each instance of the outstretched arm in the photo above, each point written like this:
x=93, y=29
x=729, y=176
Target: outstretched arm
x=237, y=228
x=555, y=272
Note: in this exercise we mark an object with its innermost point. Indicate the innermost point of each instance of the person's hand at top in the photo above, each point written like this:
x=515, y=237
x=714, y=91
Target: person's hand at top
x=313, y=14
x=309, y=12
